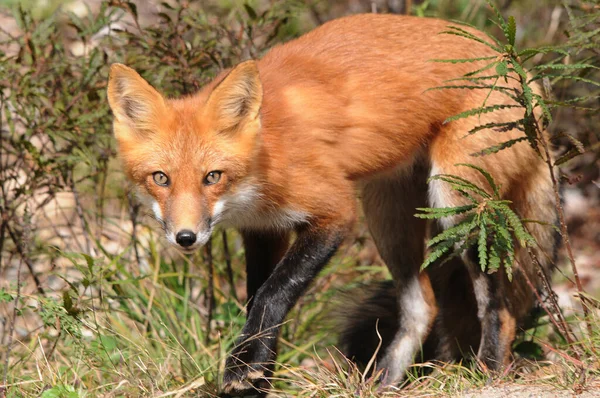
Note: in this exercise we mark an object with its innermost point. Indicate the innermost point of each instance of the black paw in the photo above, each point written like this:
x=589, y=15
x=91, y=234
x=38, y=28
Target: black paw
x=244, y=381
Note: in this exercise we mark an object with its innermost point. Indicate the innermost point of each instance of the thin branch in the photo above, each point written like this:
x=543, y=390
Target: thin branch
x=228, y=263
x=11, y=331
x=210, y=291
x=25, y=258
x=564, y=233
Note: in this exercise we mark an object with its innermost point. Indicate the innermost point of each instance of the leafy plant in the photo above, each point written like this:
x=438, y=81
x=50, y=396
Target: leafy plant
x=507, y=66
x=488, y=222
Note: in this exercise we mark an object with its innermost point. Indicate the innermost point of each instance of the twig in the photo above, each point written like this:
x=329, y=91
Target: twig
x=210, y=291
x=228, y=263
x=79, y=209
x=564, y=329
x=134, y=210
x=564, y=232
x=551, y=296
x=11, y=332
x=25, y=258
x=24, y=247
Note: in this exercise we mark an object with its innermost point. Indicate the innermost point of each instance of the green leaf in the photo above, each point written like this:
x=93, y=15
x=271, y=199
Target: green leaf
x=464, y=60
x=5, y=297
x=489, y=35
x=565, y=66
x=440, y=212
x=484, y=173
x=500, y=127
x=542, y=104
x=455, y=30
x=499, y=147
x=250, y=11
x=478, y=111
x=438, y=252
x=459, y=183
x=482, y=244
x=455, y=233
x=67, y=301
x=515, y=223
x=530, y=52
x=494, y=259
x=502, y=69
x=60, y=392
x=511, y=30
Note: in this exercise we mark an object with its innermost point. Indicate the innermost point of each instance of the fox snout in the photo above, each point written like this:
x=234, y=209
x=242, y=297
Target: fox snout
x=184, y=220
x=188, y=239
x=185, y=238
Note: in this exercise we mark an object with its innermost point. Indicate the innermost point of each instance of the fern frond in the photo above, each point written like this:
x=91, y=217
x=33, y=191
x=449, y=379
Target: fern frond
x=539, y=101
x=569, y=103
x=565, y=66
x=440, y=212
x=485, y=174
x=499, y=127
x=511, y=30
x=515, y=223
x=482, y=69
x=458, y=183
x=479, y=111
x=489, y=35
x=463, y=60
x=494, y=258
x=499, y=147
x=455, y=30
x=455, y=233
x=439, y=251
x=576, y=78
x=482, y=243
x=531, y=52
x=471, y=87
x=473, y=79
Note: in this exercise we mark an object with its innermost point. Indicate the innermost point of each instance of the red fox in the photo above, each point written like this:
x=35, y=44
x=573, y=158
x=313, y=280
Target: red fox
x=281, y=145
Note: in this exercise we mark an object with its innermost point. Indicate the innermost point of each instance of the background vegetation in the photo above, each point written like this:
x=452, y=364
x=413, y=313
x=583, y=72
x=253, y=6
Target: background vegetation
x=92, y=300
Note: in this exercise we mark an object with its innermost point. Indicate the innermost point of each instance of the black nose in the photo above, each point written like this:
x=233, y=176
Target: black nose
x=185, y=238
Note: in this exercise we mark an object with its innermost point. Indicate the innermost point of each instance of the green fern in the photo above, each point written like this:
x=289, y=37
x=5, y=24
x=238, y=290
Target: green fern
x=488, y=221
x=509, y=65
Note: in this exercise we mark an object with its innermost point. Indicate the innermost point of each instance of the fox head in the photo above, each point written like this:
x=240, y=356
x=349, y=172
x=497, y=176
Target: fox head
x=190, y=158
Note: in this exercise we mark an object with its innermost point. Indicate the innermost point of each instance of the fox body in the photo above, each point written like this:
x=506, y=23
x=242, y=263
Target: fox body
x=282, y=145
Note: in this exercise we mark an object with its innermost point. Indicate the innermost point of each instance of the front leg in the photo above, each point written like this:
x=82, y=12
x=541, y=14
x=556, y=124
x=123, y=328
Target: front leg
x=264, y=250
x=254, y=351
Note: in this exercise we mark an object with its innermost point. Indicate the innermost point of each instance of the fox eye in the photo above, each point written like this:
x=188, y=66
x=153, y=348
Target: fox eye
x=160, y=178
x=212, y=178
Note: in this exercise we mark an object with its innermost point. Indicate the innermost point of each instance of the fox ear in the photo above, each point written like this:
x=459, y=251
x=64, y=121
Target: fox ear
x=132, y=100
x=237, y=98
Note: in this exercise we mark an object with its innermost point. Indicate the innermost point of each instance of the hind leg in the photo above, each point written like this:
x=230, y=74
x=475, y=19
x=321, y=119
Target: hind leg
x=491, y=293
x=389, y=205
x=501, y=304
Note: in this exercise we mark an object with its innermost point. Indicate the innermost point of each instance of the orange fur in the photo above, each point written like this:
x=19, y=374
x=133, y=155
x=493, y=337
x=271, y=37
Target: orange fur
x=296, y=133
x=340, y=104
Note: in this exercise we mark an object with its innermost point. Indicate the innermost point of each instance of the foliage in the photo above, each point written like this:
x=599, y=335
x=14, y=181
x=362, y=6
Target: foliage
x=488, y=222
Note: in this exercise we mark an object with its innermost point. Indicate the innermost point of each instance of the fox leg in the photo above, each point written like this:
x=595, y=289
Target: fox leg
x=247, y=367
x=498, y=324
x=492, y=292
x=263, y=249
x=389, y=205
